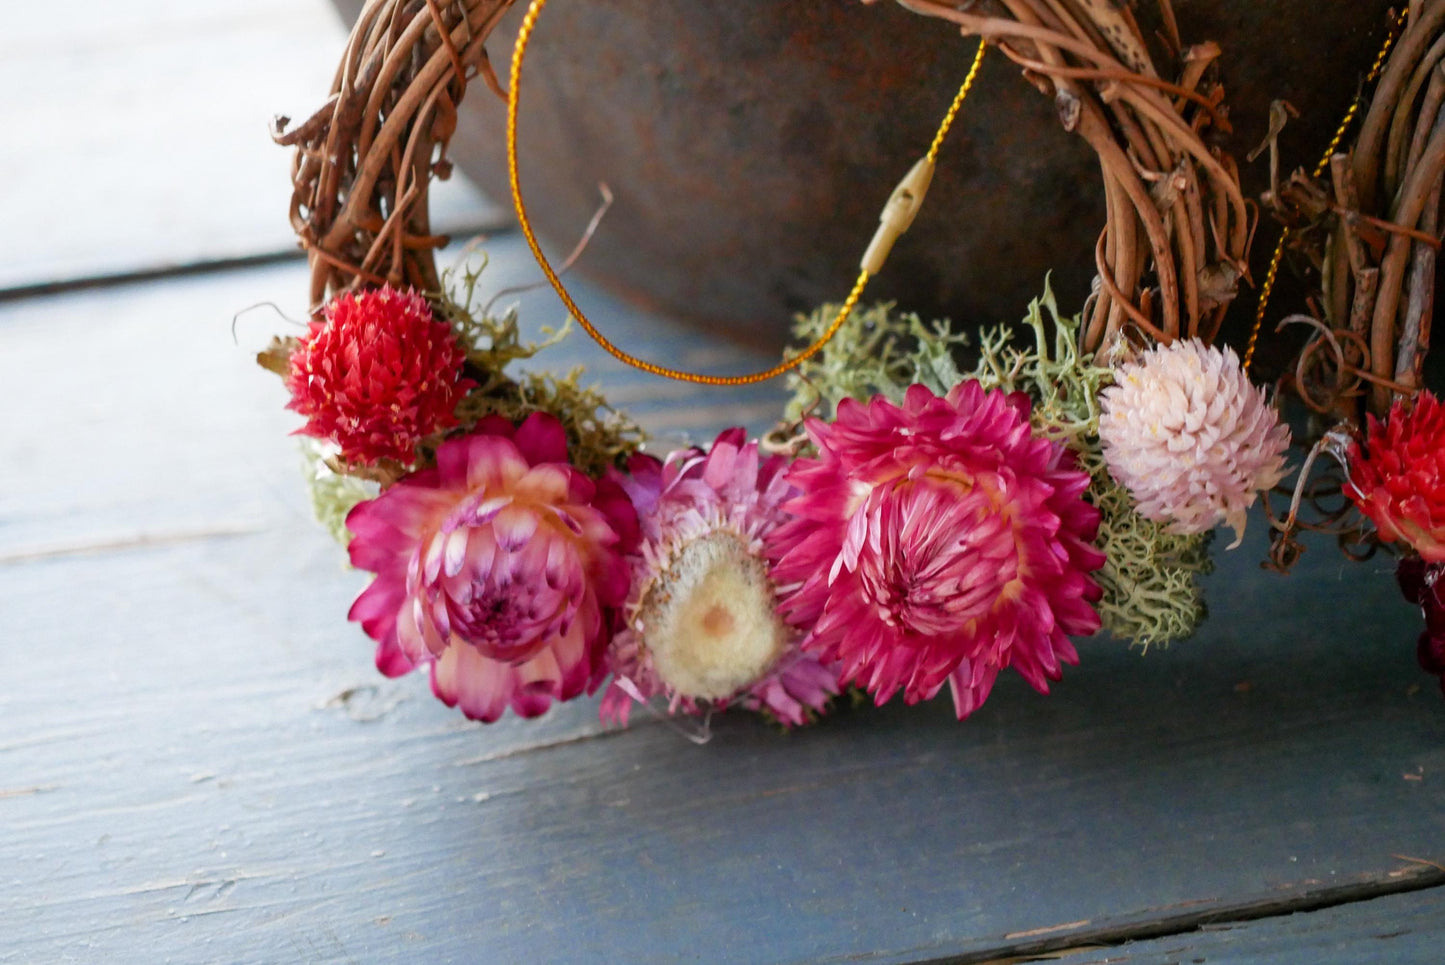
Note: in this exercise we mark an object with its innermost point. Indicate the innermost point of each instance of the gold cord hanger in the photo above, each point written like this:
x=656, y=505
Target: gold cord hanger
x=1272, y=272
x=897, y=215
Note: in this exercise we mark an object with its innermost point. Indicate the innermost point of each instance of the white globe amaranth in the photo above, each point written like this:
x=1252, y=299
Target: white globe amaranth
x=1191, y=438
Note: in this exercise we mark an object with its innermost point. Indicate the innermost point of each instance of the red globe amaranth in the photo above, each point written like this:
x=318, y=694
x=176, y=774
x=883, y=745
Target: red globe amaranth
x=377, y=375
x=1397, y=478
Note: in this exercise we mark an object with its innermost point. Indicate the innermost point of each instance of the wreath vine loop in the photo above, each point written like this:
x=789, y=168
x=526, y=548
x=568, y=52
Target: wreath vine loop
x=365, y=160
x=1367, y=221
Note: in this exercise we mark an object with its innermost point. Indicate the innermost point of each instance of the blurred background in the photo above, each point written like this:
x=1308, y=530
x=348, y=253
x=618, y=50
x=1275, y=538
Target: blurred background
x=136, y=135
x=750, y=150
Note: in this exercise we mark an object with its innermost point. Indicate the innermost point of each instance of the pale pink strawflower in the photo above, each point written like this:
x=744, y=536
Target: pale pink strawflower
x=700, y=626
x=498, y=568
x=1191, y=438
x=935, y=541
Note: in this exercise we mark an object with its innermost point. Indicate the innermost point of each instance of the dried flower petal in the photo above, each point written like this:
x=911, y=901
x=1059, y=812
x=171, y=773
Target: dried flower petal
x=500, y=568
x=935, y=541
x=377, y=376
x=1191, y=438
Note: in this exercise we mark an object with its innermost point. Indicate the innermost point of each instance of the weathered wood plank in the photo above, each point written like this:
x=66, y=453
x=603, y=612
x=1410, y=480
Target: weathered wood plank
x=197, y=761
x=182, y=776
x=1406, y=929
x=136, y=134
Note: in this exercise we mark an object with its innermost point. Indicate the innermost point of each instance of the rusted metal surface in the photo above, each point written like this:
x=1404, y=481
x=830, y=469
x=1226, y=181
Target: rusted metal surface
x=750, y=148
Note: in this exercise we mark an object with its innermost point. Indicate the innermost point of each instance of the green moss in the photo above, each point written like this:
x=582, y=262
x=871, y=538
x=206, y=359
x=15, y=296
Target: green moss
x=598, y=436
x=1150, y=577
x=492, y=342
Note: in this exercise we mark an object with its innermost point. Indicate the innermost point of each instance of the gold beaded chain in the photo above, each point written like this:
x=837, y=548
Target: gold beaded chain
x=897, y=215
x=1273, y=271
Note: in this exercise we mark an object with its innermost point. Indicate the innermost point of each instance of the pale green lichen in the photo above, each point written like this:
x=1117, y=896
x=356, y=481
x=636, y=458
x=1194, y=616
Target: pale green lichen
x=333, y=494
x=1150, y=575
x=877, y=351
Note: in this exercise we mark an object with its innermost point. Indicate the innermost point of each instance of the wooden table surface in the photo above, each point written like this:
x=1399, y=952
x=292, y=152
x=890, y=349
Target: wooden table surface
x=198, y=762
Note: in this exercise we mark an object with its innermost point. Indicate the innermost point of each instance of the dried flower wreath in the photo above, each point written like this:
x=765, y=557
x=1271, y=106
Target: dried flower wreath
x=910, y=523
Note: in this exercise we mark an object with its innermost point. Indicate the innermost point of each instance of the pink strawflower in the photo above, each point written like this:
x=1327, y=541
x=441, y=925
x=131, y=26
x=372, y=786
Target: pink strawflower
x=938, y=541
x=1397, y=478
x=701, y=624
x=497, y=568
x=377, y=376
x=1191, y=438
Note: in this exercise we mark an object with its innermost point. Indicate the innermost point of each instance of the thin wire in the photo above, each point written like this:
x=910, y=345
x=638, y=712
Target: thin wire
x=1272, y=273
x=524, y=35
x=963, y=90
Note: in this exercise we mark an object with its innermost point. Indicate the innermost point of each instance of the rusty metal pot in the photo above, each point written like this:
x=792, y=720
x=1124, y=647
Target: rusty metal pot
x=751, y=146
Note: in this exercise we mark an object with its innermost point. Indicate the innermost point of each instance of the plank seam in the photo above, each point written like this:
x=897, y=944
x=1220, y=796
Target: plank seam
x=1421, y=879
x=204, y=266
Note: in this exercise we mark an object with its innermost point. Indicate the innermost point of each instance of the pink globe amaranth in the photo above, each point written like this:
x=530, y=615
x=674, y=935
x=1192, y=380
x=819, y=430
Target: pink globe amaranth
x=498, y=568
x=700, y=626
x=1397, y=477
x=935, y=541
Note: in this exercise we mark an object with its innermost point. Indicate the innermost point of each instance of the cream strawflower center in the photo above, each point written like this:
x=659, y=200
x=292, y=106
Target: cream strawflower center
x=708, y=620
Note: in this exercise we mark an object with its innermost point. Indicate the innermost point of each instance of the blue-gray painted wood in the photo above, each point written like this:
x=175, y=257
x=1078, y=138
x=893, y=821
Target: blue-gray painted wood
x=137, y=134
x=198, y=763
x=1406, y=929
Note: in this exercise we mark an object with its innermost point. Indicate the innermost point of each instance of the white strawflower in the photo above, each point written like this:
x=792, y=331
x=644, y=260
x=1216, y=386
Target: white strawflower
x=1191, y=438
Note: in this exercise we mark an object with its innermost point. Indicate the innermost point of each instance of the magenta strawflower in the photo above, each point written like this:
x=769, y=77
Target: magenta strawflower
x=498, y=568
x=701, y=627
x=938, y=541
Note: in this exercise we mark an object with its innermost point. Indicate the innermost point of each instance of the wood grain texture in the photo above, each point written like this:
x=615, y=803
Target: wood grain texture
x=136, y=134
x=198, y=762
x=1396, y=929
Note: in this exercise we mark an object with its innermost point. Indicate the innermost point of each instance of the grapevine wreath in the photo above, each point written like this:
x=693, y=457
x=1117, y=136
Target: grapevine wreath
x=916, y=520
